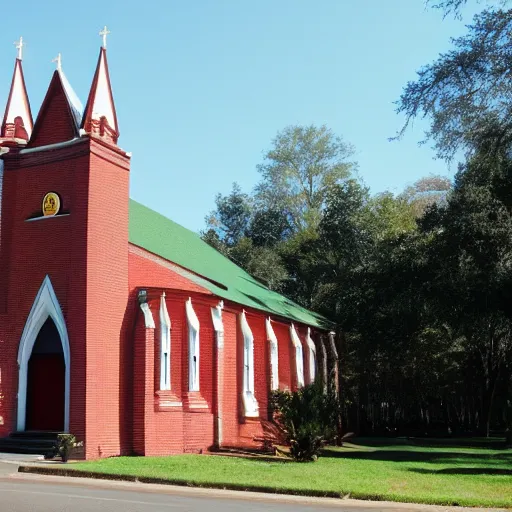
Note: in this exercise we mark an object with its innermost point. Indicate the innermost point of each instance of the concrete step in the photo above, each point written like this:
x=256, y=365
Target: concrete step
x=29, y=442
x=34, y=434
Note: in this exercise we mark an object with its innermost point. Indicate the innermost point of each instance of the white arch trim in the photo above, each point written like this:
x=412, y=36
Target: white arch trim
x=45, y=305
x=299, y=356
x=274, y=355
x=249, y=401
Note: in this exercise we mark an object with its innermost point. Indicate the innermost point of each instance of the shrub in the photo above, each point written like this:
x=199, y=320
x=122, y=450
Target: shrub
x=64, y=447
x=308, y=416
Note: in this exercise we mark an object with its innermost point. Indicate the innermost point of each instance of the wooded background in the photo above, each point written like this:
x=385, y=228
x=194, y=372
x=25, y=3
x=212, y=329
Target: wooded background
x=420, y=282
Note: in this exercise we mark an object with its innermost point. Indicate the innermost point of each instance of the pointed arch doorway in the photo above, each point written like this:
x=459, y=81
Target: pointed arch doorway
x=44, y=366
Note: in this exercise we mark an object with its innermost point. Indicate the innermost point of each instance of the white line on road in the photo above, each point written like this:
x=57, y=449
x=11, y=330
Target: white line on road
x=79, y=496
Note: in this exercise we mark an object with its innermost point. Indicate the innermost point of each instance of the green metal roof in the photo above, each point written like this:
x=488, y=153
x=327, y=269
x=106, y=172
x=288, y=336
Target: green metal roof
x=161, y=236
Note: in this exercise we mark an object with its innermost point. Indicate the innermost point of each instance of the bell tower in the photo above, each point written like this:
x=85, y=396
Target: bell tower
x=65, y=219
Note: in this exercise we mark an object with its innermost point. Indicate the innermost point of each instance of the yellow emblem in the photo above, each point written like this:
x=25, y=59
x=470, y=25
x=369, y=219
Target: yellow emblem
x=51, y=204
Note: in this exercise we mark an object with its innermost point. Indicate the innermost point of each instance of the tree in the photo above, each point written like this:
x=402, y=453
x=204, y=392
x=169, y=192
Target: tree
x=454, y=6
x=304, y=163
x=268, y=227
x=211, y=237
x=470, y=265
x=389, y=217
x=263, y=263
x=426, y=192
x=467, y=91
x=231, y=217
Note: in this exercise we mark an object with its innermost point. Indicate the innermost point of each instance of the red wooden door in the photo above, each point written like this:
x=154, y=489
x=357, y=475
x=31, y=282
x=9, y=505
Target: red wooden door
x=45, y=392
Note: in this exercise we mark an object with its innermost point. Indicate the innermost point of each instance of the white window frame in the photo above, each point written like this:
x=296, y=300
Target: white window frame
x=251, y=407
x=218, y=324
x=193, y=347
x=299, y=356
x=274, y=355
x=165, y=346
x=312, y=357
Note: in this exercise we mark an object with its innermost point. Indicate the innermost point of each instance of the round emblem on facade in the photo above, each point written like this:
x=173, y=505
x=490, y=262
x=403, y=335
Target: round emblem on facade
x=51, y=204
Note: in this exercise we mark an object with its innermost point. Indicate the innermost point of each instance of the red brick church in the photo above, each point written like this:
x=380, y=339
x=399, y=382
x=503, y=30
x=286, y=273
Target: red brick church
x=116, y=324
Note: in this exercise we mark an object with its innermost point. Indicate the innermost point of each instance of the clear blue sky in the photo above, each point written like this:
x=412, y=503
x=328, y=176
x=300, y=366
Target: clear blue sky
x=202, y=86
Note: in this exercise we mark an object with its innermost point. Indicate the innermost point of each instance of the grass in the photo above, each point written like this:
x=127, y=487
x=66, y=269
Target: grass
x=397, y=470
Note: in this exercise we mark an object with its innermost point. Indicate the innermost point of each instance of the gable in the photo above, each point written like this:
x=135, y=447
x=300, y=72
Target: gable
x=57, y=118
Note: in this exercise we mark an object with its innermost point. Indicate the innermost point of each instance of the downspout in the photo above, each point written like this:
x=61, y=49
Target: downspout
x=218, y=325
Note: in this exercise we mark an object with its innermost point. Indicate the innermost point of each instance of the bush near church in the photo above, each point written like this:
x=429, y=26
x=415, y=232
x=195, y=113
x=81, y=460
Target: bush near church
x=64, y=447
x=308, y=416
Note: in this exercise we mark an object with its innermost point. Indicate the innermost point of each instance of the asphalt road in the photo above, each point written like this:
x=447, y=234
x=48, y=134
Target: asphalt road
x=27, y=496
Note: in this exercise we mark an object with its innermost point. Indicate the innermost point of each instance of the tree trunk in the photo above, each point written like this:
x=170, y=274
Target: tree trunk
x=488, y=402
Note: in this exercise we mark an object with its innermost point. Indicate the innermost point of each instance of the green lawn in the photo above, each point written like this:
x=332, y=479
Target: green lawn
x=397, y=470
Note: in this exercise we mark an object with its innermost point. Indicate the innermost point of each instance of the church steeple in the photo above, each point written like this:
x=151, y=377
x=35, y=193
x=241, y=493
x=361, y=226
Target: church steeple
x=100, y=119
x=17, y=122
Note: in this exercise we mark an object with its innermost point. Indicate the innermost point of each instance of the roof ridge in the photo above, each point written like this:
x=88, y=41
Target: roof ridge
x=166, y=238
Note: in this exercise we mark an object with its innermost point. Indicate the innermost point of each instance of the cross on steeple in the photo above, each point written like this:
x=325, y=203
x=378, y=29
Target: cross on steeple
x=104, y=33
x=19, y=46
x=58, y=60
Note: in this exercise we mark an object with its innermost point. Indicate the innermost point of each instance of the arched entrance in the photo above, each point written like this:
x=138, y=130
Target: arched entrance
x=45, y=381
x=44, y=366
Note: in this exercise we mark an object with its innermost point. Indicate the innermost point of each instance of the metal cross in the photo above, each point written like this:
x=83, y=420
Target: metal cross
x=104, y=33
x=19, y=46
x=58, y=60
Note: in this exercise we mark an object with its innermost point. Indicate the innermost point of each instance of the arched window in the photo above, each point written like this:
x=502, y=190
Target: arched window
x=299, y=356
x=248, y=398
x=165, y=346
x=193, y=347
x=274, y=361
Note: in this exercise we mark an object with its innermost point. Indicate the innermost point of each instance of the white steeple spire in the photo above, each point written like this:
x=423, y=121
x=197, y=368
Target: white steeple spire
x=100, y=119
x=17, y=122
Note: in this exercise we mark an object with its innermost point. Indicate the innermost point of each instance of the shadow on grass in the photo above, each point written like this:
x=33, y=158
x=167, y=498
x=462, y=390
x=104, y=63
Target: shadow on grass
x=421, y=456
x=463, y=471
x=491, y=443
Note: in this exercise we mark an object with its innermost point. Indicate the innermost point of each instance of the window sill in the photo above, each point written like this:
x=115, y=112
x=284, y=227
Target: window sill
x=251, y=407
x=194, y=402
x=166, y=400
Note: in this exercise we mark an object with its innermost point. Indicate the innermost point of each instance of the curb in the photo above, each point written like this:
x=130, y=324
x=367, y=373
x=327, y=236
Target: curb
x=78, y=473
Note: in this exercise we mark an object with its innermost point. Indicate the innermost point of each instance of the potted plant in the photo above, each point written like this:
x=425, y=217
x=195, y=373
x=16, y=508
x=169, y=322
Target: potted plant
x=66, y=443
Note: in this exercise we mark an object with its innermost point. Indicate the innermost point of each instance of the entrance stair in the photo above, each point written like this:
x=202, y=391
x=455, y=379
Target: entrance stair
x=29, y=442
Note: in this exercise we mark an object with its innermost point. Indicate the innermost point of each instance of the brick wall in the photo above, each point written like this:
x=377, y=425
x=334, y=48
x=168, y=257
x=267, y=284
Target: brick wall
x=32, y=250
x=107, y=296
x=194, y=430
x=286, y=356
x=171, y=429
